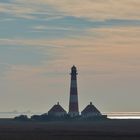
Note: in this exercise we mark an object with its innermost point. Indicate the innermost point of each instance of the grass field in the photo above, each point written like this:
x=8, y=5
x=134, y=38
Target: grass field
x=95, y=130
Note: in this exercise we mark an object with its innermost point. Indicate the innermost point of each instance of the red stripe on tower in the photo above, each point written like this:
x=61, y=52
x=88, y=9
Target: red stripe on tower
x=73, y=102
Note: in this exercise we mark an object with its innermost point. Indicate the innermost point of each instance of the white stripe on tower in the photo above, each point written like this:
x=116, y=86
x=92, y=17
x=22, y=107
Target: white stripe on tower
x=73, y=98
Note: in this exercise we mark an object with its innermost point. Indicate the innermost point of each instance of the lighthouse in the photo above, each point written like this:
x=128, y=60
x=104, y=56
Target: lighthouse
x=73, y=101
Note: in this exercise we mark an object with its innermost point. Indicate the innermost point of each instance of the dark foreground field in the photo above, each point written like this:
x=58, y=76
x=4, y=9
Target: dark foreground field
x=98, y=130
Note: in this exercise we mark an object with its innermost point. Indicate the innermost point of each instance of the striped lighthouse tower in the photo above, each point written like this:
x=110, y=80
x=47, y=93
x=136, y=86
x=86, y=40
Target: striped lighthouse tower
x=73, y=102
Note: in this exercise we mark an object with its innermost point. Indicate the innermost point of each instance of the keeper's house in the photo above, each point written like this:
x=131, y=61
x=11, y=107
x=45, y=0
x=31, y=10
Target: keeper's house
x=91, y=111
x=57, y=111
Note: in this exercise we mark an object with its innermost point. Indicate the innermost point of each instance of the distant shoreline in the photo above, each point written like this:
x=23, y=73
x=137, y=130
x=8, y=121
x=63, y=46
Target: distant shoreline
x=110, y=116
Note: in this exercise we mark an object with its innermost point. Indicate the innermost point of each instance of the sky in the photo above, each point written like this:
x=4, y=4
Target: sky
x=41, y=39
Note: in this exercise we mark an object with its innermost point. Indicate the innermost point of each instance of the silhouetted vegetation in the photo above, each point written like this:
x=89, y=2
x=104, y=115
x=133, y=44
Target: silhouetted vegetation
x=22, y=118
x=46, y=117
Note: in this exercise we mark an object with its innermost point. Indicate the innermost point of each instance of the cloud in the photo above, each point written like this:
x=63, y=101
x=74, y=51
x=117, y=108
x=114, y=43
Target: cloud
x=101, y=37
x=27, y=10
x=28, y=42
x=44, y=27
x=6, y=19
x=92, y=9
x=105, y=50
x=17, y=10
x=116, y=36
x=89, y=9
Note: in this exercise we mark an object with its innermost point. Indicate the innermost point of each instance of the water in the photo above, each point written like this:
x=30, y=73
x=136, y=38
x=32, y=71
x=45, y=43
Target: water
x=124, y=117
x=12, y=115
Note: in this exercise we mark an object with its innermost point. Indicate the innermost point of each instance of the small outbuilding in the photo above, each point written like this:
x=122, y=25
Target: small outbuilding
x=91, y=111
x=57, y=111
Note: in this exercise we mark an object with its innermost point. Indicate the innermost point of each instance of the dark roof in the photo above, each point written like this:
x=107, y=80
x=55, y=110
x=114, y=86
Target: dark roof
x=90, y=109
x=56, y=108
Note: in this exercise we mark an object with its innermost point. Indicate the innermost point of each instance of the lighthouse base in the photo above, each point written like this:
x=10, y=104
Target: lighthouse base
x=73, y=114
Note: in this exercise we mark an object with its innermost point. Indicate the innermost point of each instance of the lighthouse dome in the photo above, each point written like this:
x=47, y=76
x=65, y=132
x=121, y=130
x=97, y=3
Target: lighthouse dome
x=73, y=67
